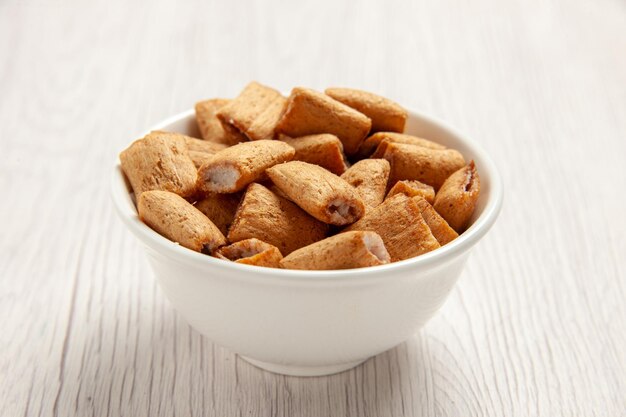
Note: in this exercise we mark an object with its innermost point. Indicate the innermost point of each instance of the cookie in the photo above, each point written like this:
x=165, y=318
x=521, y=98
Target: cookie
x=437, y=224
x=254, y=112
x=220, y=209
x=369, y=177
x=430, y=166
x=399, y=223
x=275, y=220
x=343, y=251
x=369, y=147
x=324, y=150
x=232, y=169
x=413, y=188
x=457, y=197
x=319, y=192
x=173, y=217
x=211, y=127
x=160, y=161
x=251, y=252
x=386, y=115
x=309, y=112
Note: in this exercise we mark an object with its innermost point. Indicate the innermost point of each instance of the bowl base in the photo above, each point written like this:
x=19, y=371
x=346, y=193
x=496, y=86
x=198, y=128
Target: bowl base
x=296, y=370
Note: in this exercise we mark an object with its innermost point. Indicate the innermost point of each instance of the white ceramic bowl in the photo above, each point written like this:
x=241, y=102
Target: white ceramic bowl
x=311, y=323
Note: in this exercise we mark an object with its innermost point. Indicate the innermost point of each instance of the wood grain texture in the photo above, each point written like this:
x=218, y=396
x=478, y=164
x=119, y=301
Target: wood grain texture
x=537, y=323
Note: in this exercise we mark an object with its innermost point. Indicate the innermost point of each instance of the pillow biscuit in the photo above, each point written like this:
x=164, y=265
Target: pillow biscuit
x=254, y=112
x=386, y=114
x=309, y=112
x=160, y=161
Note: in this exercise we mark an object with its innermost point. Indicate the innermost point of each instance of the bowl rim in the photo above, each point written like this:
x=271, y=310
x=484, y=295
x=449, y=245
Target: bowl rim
x=127, y=211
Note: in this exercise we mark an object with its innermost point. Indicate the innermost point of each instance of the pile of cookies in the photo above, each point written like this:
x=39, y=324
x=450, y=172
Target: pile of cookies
x=313, y=181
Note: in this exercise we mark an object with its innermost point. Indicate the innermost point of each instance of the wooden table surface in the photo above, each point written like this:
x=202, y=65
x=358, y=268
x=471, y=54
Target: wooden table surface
x=537, y=322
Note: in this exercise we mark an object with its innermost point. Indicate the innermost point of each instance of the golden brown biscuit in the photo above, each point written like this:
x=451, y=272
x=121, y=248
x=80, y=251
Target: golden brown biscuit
x=430, y=166
x=275, y=220
x=254, y=112
x=369, y=177
x=160, y=161
x=233, y=168
x=343, y=251
x=438, y=226
x=371, y=144
x=399, y=223
x=200, y=145
x=319, y=192
x=457, y=197
x=174, y=218
x=324, y=150
x=386, y=115
x=201, y=151
x=309, y=112
x=251, y=252
x=412, y=189
x=220, y=209
x=211, y=127
x=200, y=158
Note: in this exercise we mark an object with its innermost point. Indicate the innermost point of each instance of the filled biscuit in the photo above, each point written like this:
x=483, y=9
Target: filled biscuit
x=309, y=112
x=437, y=224
x=430, y=166
x=323, y=149
x=319, y=192
x=370, y=145
x=369, y=177
x=175, y=218
x=202, y=151
x=275, y=220
x=457, y=197
x=211, y=127
x=220, y=209
x=399, y=223
x=232, y=169
x=254, y=112
x=386, y=115
x=413, y=188
x=343, y=251
x=251, y=252
x=160, y=161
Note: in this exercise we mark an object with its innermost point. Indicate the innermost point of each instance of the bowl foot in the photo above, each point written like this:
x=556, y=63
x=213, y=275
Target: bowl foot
x=296, y=370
